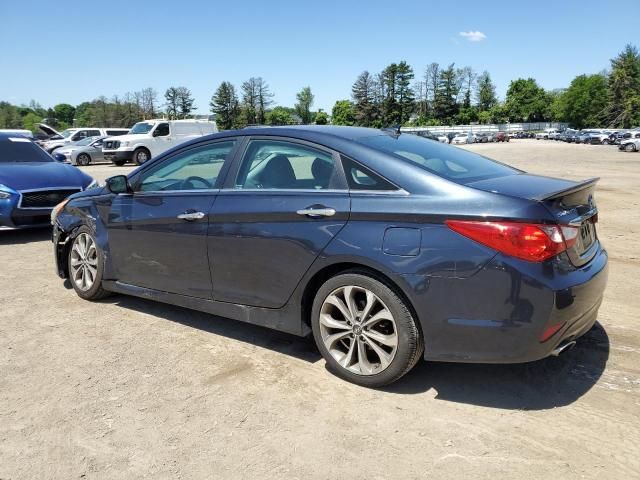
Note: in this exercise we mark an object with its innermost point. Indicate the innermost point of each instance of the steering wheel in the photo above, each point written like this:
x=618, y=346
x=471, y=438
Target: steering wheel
x=188, y=182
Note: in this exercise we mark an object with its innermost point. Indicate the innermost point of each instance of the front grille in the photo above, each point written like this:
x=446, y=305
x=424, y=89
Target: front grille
x=45, y=198
x=111, y=145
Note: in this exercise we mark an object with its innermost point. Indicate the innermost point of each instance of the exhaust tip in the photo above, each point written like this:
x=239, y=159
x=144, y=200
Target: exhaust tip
x=563, y=347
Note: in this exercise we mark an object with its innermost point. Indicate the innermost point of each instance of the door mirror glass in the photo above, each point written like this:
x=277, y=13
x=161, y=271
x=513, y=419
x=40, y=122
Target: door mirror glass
x=118, y=184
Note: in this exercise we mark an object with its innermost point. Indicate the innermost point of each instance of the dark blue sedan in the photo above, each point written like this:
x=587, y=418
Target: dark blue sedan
x=387, y=247
x=32, y=183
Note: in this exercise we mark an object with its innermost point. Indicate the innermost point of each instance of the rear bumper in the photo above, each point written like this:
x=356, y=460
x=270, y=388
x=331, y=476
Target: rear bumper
x=500, y=314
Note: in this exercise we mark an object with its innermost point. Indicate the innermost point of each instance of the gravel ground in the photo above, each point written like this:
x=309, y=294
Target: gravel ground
x=127, y=388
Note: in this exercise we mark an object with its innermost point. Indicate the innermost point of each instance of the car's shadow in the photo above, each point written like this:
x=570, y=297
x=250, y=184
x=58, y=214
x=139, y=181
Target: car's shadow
x=15, y=237
x=548, y=383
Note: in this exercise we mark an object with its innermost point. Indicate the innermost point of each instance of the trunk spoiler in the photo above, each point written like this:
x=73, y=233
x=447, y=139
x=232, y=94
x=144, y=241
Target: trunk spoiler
x=567, y=191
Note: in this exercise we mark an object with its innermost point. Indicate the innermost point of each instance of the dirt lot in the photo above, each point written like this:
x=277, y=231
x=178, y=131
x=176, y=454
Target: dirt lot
x=128, y=388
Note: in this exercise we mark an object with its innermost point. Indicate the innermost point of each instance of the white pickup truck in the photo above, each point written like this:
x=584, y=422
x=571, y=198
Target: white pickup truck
x=150, y=138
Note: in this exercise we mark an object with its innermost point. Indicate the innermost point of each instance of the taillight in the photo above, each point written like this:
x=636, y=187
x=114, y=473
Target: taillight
x=529, y=241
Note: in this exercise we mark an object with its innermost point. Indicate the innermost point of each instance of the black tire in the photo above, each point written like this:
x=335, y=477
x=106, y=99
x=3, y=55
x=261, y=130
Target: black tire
x=410, y=342
x=629, y=147
x=83, y=159
x=605, y=142
x=95, y=292
x=141, y=155
x=119, y=163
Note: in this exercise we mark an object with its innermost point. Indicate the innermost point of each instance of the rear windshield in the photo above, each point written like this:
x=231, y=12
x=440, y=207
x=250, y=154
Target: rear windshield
x=452, y=163
x=21, y=150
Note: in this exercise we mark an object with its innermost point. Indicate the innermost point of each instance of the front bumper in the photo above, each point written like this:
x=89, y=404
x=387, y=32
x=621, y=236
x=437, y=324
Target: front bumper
x=500, y=314
x=118, y=155
x=13, y=217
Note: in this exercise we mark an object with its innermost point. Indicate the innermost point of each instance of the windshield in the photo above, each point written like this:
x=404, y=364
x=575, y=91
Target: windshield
x=85, y=141
x=452, y=163
x=141, y=127
x=68, y=132
x=21, y=150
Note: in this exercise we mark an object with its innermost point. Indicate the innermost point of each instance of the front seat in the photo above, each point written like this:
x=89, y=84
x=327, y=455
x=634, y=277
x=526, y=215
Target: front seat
x=278, y=173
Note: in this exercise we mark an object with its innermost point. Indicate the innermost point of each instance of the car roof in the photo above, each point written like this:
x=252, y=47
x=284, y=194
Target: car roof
x=348, y=133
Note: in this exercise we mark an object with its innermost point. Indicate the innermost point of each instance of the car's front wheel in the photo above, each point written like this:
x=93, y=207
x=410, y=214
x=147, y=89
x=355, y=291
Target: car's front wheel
x=86, y=264
x=364, y=330
x=83, y=159
x=141, y=155
x=629, y=147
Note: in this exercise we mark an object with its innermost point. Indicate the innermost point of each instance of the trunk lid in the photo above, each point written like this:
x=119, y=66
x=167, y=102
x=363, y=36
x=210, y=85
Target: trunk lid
x=571, y=203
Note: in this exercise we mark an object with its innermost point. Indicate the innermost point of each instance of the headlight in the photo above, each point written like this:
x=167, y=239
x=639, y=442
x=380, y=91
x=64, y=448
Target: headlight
x=93, y=184
x=56, y=210
x=124, y=144
x=5, y=192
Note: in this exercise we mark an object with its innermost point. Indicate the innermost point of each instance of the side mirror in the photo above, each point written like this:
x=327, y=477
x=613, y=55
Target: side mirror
x=119, y=184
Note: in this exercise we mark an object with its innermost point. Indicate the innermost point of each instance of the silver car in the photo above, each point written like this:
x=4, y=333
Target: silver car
x=82, y=152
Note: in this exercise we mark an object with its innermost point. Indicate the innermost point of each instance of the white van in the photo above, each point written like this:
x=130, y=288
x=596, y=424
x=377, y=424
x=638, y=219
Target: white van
x=152, y=137
x=72, y=135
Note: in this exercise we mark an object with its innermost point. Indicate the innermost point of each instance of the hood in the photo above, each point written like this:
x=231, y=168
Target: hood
x=47, y=129
x=129, y=137
x=36, y=175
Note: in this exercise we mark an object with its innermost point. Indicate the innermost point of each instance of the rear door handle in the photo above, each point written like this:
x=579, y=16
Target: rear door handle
x=317, y=212
x=191, y=216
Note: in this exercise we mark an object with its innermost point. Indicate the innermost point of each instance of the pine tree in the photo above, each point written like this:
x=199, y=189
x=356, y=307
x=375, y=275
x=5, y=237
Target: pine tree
x=185, y=102
x=624, y=89
x=172, y=98
x=303, y=107
x=405, y=96
x=224, y=103
x=486, y=93
x=445, y=106
x=364, y=99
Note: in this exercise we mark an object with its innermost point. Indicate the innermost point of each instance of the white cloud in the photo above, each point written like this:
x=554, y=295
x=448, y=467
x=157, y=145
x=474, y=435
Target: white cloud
x=472, y=36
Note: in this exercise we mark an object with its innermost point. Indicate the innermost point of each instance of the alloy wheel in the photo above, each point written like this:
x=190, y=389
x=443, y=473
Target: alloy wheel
x=358, y=330
x=84, y=262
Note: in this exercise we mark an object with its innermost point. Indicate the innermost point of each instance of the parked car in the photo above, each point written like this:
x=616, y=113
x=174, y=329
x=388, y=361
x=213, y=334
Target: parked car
x=463, y=138
x=152, y=137
x=600, y=138
x=72, y=135
x=82, y=152
x=32, y=183
x=17, y=132
x=584, y=136
x=481, y=137
x=334, y=232
x=631, y=144
x=502, y=137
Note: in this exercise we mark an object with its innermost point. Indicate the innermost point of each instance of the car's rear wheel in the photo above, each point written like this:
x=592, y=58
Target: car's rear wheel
x=629, y=147
x=83, y=159
x=141, y=155
x=86, y=264
x=364, y=330
x=605, y=142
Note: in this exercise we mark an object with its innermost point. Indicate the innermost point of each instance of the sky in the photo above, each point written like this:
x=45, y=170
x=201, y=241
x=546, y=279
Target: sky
x=72, y=51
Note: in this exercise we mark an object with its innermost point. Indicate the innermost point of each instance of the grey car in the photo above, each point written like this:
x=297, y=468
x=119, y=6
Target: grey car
x=81, y=153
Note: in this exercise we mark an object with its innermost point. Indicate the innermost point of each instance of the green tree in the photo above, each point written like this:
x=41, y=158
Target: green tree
x=624, y=89
x=405, y=97
x=185, y=102
x=65, y=113
x=172, y=97
x=445, y=106
x=322, y=118
x=249, y=90
x=526, y=101
x=9, y=116
x=343, y=113
x=30, y=120
x=224, y=103
x=303, y=107
x=486, y=92
x=279, y=116
x=583, y=102
x=364, y=101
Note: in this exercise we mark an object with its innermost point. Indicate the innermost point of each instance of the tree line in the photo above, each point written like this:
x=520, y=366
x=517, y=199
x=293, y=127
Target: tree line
x=435, y=95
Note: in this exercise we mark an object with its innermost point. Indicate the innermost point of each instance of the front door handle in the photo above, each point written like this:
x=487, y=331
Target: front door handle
x=317, y=212
x=191, y=216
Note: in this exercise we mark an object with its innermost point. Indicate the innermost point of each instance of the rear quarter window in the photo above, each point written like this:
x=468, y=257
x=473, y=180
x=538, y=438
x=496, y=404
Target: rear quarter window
x=455, y=164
